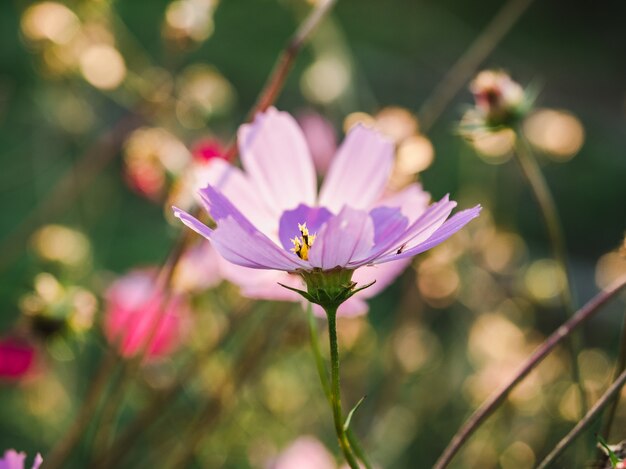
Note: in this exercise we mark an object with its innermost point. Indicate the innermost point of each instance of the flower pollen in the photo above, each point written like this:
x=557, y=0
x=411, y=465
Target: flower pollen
x=301, y=245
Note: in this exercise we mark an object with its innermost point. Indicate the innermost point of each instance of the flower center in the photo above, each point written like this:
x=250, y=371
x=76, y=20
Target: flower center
x=301, y=245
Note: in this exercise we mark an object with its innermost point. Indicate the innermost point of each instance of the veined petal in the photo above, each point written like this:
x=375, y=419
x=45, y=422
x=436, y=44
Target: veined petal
x=388, y=222
x=277, y=160
x=237, y=187
x=240, y=242
x=251, y=248
x=359, y=172
x=451, y=226
x=413, y=201
x=420, y=230
x=346, y=236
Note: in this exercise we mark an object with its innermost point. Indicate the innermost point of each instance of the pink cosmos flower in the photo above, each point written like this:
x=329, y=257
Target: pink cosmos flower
x=17, y=358
x=304, y=453
x=133, y=307
x=14, y=460
x=272, y=217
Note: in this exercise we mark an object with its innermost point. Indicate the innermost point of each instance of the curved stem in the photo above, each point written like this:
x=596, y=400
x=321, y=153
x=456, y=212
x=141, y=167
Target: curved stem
x=335, y=390
x=584, y=422
x=323, y=374
x=537, y=183
x=484, y=411
x=539, y=186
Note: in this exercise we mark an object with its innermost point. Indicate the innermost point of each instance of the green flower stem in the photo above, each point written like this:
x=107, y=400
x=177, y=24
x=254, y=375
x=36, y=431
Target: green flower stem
x=541, y=191
x=335, y=391
x=323, y=374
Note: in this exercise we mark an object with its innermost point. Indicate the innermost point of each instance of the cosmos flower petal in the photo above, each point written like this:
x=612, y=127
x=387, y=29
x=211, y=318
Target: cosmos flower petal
x=247, y=247
x=277, y=160
x=413, y=201
x=388, y=222
x=193, y=223
x=313, y=217
x=237, y=187
x=359, y=172
x=418, y=231
x=346, y=236
x=240, y=242
x=450, y=227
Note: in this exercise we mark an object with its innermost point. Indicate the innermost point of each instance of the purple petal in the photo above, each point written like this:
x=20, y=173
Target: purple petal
x=412, y=200
x=251, y=248
x=236, y=238
x=346, y=236
x=359, y=172
x=277, y=160
x=418, y=231
x=237, y=187
x=454, y=224
x=388, y=221
x=193, y=223
x=314, y=217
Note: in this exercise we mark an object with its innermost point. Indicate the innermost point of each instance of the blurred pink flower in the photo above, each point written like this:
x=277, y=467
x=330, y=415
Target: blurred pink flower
x=304, y=453
x=133, y=307
x=321, y=138
x=17, y=357
x=272, y=218
x=205, y=149
x=198, y=269
x=14, y=460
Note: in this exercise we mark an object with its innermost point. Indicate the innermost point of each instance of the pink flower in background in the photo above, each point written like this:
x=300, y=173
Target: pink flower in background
x=271, y=217
x=304, y=453
x=14, y=460
x=206, y=149
x=137, y=312
x=320, y=137
x=17, y=357
x=198, y=269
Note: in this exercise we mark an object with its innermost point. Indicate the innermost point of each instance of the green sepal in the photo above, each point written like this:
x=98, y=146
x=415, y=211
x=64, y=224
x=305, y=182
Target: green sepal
x=300, y=292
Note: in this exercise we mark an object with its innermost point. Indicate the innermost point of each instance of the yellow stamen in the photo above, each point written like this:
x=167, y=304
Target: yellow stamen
x=301, y=245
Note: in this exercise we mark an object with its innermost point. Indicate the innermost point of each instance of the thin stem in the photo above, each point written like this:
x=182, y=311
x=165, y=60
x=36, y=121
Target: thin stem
x=619, y=368
x=541, y=191
x=485, y=410
x=323, y=374
x=276, y=80
x=539, y=186
x=335, y=390
x=469, y=62
x=585, y=422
